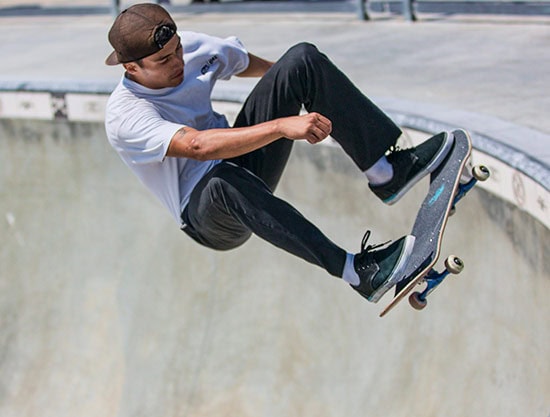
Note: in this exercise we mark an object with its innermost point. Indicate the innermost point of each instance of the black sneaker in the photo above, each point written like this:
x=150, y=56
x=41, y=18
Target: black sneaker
x=411, y=165
x=380, y=267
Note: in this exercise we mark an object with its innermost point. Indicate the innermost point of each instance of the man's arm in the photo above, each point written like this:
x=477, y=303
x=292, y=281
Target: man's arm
x=230, y=142
x=257, y=67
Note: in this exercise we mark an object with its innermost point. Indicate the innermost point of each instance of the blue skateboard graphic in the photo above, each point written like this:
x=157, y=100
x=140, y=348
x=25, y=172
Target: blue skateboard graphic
x=446, y=189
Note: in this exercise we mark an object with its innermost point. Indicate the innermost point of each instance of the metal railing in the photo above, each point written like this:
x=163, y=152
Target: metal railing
x=411, y=8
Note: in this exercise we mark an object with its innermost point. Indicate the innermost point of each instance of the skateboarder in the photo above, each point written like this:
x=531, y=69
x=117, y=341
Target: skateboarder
x=218, y=181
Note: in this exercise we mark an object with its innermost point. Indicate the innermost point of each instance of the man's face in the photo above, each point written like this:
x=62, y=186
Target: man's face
x=162, y=69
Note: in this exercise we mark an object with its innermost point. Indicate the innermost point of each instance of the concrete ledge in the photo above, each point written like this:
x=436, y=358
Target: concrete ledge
x=523, y=148
x=519, y=157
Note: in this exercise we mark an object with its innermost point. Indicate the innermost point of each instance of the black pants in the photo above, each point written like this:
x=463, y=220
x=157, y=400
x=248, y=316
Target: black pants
x=235, y=199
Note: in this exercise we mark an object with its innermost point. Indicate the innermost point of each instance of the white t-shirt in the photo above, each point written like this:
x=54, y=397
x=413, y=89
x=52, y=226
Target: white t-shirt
x=140, y=121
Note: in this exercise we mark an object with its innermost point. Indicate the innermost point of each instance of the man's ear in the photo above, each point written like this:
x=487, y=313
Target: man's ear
x=130, y=67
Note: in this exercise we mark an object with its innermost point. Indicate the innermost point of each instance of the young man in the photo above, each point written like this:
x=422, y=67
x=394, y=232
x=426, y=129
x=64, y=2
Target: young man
x=218, y=181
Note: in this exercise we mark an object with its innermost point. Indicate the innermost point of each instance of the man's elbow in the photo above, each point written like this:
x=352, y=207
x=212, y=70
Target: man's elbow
x=188, y=143
x=198, y=149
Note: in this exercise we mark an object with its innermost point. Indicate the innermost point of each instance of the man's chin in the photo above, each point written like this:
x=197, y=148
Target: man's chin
x=177, y=81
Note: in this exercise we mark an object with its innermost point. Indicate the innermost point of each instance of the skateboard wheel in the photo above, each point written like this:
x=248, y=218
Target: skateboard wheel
x=481, y=172
x=416, y=302
x=454, y=264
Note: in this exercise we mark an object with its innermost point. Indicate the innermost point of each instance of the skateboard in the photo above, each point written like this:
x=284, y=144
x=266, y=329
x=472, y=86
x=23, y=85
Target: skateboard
x=449, y=183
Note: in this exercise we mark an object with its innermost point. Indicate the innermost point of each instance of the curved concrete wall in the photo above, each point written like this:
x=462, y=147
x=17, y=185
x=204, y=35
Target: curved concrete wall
x=108, y=309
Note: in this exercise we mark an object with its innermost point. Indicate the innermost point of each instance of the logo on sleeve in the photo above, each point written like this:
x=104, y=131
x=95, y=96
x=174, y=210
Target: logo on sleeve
x=208, y=64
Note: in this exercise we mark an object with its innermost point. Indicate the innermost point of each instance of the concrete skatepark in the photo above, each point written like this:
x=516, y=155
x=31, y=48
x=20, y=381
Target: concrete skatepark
x=107, y=309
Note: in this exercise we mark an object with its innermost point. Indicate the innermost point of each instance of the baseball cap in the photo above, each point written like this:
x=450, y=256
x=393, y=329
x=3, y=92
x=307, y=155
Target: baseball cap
x=139, y=31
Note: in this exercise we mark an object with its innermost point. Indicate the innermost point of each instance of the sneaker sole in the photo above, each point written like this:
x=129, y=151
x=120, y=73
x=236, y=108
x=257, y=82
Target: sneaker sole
x=397, y=273
x=428, y=169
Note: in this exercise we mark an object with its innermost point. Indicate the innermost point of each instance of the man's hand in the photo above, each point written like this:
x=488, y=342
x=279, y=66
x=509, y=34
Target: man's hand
x=313, y=127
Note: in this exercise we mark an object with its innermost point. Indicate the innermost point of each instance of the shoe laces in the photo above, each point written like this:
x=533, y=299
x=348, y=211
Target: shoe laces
x=369, y=248
x=394, y=148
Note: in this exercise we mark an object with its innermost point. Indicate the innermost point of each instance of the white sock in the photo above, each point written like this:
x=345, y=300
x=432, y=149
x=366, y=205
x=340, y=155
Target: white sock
x=349, y=275
x=380, y=173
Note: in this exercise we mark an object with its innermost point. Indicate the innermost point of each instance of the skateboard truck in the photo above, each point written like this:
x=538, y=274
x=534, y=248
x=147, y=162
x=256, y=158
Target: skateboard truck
x=453, y=265
x=479, y=173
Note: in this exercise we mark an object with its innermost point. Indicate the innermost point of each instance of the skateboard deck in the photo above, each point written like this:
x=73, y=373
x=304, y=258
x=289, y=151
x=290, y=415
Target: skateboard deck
x=432, y=218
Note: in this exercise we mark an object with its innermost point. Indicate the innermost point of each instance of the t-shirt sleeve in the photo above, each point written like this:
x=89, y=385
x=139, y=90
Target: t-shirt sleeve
x=143, y=136
x=234, y=57
x=211, y=56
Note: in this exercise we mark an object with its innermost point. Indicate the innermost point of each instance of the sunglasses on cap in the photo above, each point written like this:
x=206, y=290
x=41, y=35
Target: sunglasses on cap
x=162, y=35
